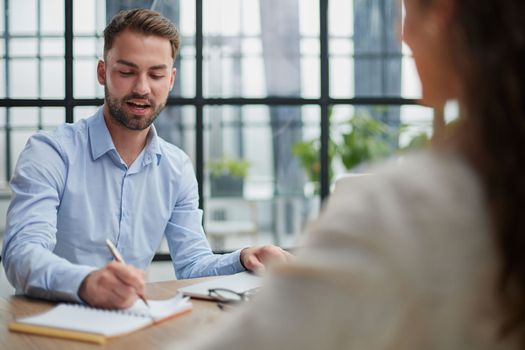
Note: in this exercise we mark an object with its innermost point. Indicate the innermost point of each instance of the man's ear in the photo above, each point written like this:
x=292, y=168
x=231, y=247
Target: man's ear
x=172, y=79
x=101, y=72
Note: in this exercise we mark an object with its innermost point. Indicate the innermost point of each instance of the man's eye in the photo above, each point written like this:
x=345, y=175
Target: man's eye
x=157, y=76
x=125, y=73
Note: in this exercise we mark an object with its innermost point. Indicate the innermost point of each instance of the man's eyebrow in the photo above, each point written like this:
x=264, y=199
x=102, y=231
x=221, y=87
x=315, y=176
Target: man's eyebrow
x=159, y=66
x=127, y=63
x=133, y=65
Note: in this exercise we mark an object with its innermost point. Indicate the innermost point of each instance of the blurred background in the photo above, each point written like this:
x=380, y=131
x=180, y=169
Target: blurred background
x=273, y=100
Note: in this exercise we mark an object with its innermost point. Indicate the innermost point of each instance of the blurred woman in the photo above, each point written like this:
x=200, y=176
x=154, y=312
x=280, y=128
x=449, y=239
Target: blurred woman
x=428, y=254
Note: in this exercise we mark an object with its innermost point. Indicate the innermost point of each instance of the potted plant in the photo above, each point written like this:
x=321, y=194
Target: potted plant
x=367, y=140
x=364, y=139
x=308, y=153
x=227, y=176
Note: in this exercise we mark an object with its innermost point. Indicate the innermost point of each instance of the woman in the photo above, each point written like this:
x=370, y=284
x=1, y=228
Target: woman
x=429, y=254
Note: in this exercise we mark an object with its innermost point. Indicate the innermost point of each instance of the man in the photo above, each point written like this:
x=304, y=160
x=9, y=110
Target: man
x=112, y=177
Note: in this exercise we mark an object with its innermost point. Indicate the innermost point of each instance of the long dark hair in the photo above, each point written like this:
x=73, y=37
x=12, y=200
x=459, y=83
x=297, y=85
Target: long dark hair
x=489, y=48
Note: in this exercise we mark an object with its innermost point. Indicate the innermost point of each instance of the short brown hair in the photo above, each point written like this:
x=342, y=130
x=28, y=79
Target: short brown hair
x=143, y=21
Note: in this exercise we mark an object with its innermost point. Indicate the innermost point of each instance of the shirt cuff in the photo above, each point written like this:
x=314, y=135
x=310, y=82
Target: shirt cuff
x=63, y=287
x=77, y=281
x=236, y=263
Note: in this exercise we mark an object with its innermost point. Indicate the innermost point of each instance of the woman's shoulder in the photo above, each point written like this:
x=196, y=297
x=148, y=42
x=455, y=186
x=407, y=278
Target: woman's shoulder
x=420, y=204
x=427, y=179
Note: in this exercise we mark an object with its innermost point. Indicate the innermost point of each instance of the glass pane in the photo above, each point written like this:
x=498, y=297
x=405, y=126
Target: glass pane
x=89, y=17
x=24, y=117
x=177, y=126
x=2, y=78
x=53, y=79
x=340, y=18
x=24, y=84
x=184, y=85
x=310, y=68
x=360, y=135
x=85, y=47
x=53, y=47
x=52, y=117
x=52, y=16
x=2, y=23
x=22, y=17
x=2, y=117
x=26, y=47
x=366, y=56
x=84, y=112
x=260, y=48
x=85, y=79
x=257, y=194
x=89, y=22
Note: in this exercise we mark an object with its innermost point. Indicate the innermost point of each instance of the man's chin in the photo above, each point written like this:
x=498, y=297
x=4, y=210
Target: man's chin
x=134, y=121
x=139, y=123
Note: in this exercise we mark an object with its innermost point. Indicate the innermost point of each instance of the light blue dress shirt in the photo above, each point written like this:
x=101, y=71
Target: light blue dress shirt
x=72, y=191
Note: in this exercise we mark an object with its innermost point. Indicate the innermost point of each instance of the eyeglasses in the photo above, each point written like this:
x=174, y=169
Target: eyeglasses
x=225, y=296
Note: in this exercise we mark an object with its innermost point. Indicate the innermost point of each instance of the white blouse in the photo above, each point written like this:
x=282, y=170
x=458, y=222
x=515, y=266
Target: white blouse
x=402, y=259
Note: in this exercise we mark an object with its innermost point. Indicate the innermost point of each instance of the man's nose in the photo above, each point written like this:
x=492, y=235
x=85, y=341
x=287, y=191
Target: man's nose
x=141, y=86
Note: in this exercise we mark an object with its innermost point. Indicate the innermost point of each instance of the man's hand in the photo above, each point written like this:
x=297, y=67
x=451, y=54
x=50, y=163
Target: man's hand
x=115, y=286
x=257, y=258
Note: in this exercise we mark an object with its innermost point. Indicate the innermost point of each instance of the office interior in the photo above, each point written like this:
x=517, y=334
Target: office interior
x=273, y=100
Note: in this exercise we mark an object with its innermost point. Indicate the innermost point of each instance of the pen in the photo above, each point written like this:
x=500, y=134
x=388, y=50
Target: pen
x=116, y=254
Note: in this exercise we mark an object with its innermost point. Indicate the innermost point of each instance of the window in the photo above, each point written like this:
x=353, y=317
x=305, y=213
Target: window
x=259, y=85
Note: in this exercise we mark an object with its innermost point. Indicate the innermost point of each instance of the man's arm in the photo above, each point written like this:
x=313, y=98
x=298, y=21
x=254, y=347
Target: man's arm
x=190, y=251
x=27, y=254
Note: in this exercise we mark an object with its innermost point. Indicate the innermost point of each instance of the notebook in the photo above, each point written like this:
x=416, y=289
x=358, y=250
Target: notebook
x=84, y=323
x=241, y=283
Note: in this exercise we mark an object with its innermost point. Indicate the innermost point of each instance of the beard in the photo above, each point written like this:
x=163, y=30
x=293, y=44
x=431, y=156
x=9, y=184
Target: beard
x=128, y=120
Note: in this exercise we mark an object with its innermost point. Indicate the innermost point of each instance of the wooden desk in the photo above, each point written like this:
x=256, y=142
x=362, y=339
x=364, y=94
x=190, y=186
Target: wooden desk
x=161, y=336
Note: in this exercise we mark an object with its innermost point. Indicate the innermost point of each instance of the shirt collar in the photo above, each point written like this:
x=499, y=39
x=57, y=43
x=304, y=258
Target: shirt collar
x=101, y=141
x=99, y=135
x=152, y=148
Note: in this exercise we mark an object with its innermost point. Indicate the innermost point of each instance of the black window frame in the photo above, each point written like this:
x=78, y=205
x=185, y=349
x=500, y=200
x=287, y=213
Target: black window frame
x=199, y=101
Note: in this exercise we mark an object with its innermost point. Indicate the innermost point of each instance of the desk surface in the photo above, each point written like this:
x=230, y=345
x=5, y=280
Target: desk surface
x=161, y=336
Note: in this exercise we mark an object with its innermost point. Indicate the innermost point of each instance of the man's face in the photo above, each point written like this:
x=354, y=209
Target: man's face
x=137, y=77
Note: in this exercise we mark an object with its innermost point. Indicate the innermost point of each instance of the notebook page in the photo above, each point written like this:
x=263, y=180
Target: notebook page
x=159, y=309
x=85, y=319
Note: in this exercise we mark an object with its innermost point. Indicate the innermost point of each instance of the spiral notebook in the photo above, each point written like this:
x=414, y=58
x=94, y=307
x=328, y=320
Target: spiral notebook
x=79, y=322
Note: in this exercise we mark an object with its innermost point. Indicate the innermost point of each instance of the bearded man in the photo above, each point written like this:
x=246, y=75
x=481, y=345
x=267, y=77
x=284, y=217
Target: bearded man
x=111, y=176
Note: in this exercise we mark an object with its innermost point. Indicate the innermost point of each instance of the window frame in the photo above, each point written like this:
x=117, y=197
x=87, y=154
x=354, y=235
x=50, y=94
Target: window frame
x=199, y=101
